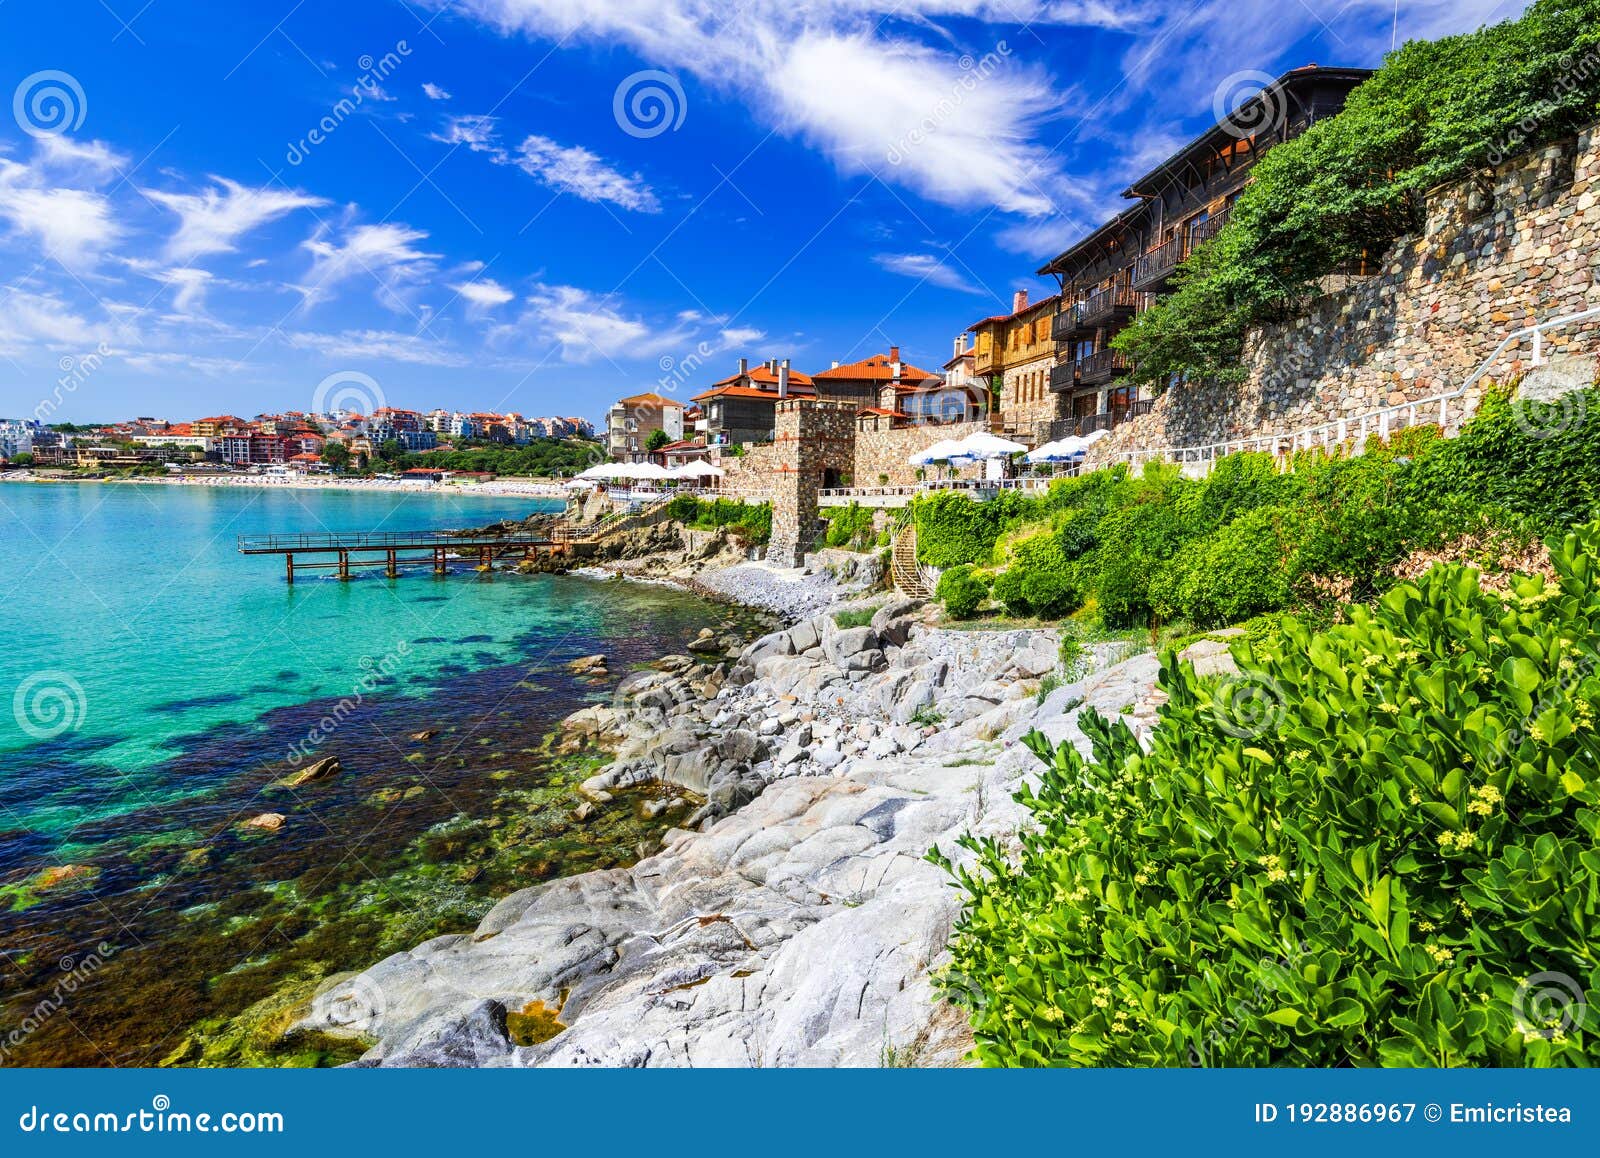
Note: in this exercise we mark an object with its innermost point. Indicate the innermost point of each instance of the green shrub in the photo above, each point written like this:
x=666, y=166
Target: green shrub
x=953, y=529
x=854, y=617
x=1007, y=592
x=962, y=590
x=1358, y=852
x=754, y=519
x=849, y=526
x=1240, y=571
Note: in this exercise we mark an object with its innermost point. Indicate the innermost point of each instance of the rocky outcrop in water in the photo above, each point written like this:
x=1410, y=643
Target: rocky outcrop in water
x=793, y=919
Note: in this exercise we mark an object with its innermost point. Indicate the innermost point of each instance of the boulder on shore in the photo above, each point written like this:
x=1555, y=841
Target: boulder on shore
x=266, y=822
x=588, y=665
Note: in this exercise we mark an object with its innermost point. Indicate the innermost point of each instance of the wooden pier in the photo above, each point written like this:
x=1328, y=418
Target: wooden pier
x=395, y=549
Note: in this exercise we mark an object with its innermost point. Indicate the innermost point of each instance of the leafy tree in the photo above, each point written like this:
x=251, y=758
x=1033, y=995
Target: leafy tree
x=657, y=439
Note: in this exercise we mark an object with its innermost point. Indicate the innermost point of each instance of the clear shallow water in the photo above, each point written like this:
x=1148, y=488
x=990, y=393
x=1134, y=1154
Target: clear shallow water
x=152, y=687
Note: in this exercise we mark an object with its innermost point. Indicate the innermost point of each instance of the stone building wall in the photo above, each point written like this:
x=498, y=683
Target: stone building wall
x=815, y=448
x=1500, y=251
x=749, y=476
x=884, y=452
x=1025, y=396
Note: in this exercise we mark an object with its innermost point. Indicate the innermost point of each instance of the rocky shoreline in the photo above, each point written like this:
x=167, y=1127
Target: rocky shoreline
x=791, y=918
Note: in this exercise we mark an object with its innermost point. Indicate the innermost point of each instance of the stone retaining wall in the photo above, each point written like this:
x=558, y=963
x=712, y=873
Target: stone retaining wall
x=885, y=452
x=1509, y=247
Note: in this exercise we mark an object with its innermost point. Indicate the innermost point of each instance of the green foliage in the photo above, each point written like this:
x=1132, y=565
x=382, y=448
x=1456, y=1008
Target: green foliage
x=952, y=528
x=962, y=590
x=1352, y=183
x=542, y=458
x=1356, y=853
x=657, y=439
x=849, y=527
x=853, y=617
x=1239, y=571
x=754, y=519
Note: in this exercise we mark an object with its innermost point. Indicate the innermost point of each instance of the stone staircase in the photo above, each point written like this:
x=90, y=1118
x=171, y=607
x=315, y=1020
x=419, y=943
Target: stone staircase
x=909, y=576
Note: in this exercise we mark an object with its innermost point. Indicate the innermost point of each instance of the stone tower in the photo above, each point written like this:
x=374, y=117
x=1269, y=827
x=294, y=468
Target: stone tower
x=816, y=445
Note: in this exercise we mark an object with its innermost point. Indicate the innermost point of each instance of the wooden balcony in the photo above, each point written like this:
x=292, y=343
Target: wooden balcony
x=1108, y=305
x=1152, y=270
x=1063, y=377
x=1102, y=366
x=1208, y=229
x=1065, y=324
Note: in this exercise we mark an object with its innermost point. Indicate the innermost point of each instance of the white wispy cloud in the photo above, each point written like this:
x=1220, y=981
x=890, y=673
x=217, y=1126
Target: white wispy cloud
x=564, y=168
x=926, y=267
x=434, y=92
x=213, y=220
x=379, y=346
x=484, y=292
x=574, y=169
x=387, y=252
x=588, y=326
x=72, y=226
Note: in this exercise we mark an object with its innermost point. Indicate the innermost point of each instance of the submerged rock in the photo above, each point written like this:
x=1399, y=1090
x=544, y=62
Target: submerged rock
x=311, y=773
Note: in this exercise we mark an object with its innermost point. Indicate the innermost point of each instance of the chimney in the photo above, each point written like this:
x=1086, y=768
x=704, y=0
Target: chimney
x=783, y=379
x=894, y=362
x=1019, y=301
x=960, y=346
x=744, y=365
x=835, y=365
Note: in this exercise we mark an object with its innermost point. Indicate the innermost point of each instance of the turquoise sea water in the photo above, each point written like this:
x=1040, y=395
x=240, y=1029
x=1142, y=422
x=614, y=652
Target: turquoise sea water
x=153, y=685
x=135, y=619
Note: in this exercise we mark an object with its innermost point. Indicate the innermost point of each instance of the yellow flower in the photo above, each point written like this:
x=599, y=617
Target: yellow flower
x=1440, y=955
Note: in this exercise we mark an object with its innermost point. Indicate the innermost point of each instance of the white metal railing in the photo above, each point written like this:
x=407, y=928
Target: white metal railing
x=1027, y=482
x=1358, y=429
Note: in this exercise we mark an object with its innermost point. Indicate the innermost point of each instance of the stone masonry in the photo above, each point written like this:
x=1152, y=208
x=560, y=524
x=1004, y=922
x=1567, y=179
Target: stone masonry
x=1502, y=250
x=814, y=446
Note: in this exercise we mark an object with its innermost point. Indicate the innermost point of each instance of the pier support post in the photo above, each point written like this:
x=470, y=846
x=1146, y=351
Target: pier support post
x=288, y=567
x=438, y=561
x=391, y=570
x=344, y=564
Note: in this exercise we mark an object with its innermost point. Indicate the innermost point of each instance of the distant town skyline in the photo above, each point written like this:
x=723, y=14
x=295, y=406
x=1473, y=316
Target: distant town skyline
x=484, y=204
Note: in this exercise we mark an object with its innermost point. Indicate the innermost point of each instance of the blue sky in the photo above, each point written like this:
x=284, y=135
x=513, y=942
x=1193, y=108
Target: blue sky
x=543, y=205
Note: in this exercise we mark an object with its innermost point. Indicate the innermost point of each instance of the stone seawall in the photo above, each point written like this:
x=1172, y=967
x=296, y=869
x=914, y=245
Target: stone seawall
x=1509, y=247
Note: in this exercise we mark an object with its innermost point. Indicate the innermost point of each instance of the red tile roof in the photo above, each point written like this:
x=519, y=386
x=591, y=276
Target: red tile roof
x=649, y=399
x=877, y=368
x=732, y=391
x=762, y=374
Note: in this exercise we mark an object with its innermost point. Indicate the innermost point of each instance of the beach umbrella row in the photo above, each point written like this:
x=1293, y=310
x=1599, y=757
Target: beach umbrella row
x=1066, y=449
x=974, y=446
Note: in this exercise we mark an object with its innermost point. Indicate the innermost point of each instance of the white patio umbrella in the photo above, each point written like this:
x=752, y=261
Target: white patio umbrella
x=986, y=445
x=697, y=470
x=648, y=471
x=1095, y=436
x=1062, y=450
x=945, y=448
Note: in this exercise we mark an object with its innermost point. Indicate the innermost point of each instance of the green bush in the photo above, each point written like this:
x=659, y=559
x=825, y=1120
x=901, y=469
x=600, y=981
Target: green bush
x=1007, y=592
x=849, y=526
x=1240, y=571
x=754, y=519
x=962, y=590
x=954, y=529
x=1357, y=852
